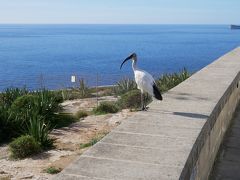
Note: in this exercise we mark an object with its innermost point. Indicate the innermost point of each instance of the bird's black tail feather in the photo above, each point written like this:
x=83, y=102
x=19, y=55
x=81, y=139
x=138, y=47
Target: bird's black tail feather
x=156, y=92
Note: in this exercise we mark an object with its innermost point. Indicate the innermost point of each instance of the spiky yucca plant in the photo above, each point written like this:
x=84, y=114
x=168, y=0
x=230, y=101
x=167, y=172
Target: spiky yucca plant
x=47, y=104
x=39, y=130
x=168, y=81
x=125, y=85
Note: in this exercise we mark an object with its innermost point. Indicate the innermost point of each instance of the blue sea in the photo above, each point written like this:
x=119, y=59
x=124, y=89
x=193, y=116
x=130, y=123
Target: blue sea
x=48, y=55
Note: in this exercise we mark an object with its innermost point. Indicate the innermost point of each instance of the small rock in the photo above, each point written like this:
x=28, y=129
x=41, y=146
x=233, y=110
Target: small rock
x=27, y=177
x=118, y=122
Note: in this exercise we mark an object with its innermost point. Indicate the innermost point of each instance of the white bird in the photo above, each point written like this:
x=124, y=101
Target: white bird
x=144, y=80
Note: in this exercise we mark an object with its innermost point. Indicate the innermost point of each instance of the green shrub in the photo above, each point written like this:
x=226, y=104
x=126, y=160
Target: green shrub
x=10, y=95
x=64, y=120
x=23, y=102
x=35, y=114
x=57, y=94
x=43, y=103
x=53, y=170
x=21, y=109
x=24, y=146
x=7, y=128
x=125, y=85
x=81, y=114
x=132, y=99
x=106, y=107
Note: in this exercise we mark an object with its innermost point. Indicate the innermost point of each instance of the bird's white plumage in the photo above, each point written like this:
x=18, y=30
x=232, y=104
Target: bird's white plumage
x=144, y=81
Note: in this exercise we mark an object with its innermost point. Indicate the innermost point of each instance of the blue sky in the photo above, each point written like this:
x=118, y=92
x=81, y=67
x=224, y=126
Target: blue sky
x=120, y=11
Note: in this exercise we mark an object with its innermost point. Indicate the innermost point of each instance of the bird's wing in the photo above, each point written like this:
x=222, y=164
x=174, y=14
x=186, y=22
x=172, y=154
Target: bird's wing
x=144, y=81
x=149, y=77
x=141, y=74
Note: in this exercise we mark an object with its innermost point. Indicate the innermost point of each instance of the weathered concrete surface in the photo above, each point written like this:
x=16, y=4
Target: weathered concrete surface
x=227, y=164
x=162, y=142
x=203, y=153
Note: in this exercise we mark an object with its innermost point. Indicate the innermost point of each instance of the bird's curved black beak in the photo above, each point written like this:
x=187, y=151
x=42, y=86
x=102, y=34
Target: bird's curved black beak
x=129, y=57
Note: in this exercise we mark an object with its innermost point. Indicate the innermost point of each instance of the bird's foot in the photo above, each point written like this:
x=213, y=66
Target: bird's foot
x=144, y=108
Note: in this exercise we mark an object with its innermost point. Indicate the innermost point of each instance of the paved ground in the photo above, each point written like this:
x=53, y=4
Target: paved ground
x=150, y=145
x=227, y=164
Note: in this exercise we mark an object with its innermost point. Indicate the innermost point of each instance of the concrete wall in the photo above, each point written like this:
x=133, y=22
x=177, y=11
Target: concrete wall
x=177, y=138
x=204, y=151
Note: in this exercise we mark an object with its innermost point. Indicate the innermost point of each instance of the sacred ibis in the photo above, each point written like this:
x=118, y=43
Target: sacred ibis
x=144, y=80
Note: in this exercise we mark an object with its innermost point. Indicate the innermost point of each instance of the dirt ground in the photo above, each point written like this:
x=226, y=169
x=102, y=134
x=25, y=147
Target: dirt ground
x=67, y=142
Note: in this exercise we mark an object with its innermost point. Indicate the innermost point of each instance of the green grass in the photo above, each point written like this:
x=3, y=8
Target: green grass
x=64, y=120
x=85, y=92
x=94, y=140
x=105, y=108
x=81, y=114
x=52, y=170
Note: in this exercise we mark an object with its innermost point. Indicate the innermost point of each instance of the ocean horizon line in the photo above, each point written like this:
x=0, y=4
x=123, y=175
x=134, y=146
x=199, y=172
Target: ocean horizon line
x=197, y=24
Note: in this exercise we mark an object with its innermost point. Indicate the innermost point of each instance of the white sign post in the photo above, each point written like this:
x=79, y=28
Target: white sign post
x=73, y=79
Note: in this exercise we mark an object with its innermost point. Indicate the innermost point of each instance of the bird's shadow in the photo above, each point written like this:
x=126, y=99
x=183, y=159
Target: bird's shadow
x=146, y=109
x=191, y=115
x=185, y=114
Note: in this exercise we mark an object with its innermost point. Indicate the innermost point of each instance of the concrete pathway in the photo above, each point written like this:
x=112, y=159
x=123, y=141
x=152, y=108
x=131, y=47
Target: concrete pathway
x=151, y=145
x=227, y=165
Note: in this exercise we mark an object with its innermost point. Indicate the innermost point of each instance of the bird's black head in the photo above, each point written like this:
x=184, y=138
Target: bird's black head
x=132, y=56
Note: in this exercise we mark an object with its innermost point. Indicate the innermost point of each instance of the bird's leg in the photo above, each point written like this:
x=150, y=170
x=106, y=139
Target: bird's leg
x=145, y=102
x=144, y=108
x=142, y=101
x=144, y=105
